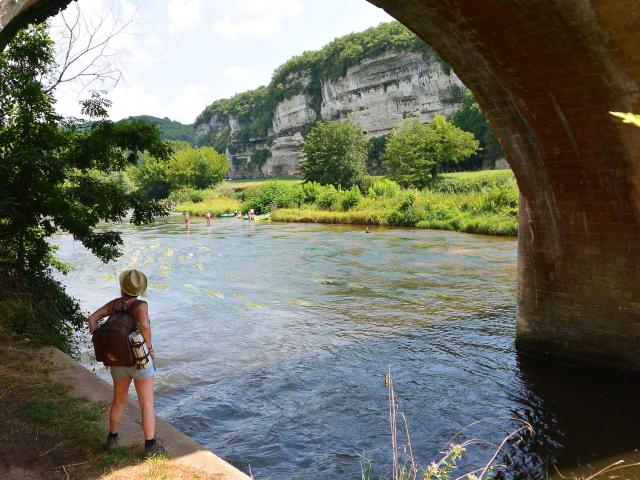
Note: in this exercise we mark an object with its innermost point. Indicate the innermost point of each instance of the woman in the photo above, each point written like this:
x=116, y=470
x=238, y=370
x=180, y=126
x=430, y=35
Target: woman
x=133, y=283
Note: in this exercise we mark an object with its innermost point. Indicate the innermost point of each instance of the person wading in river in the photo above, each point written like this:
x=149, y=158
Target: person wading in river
x=133, y=283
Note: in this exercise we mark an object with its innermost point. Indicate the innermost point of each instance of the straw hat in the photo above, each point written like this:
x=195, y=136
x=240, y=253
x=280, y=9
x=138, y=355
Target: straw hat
x=133, y=282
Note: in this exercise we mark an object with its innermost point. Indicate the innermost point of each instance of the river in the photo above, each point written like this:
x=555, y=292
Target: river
x=273, y=341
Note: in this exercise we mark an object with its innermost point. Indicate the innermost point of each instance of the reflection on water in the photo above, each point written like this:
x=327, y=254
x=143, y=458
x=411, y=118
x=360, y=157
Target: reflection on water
x=274, y=339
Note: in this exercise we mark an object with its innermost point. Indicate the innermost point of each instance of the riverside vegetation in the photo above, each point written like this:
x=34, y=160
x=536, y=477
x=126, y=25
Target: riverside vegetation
x=336, y=188
x=476, y=202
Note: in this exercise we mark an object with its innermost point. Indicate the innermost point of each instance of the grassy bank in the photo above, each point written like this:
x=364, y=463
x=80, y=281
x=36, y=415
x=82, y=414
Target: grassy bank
x=225, y=198
x=45, y=433
x=476, y=202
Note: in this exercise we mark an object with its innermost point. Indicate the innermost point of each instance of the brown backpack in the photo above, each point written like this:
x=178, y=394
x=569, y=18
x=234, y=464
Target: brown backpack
x=111, y=340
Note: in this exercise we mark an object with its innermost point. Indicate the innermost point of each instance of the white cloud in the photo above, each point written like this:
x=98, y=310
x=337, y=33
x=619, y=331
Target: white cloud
x=190, y=102
x=134, y=100
x=184, y=14
x=250, y=19
x=128, y=100
x=237, y=74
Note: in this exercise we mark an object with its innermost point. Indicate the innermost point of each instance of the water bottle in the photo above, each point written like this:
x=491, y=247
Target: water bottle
x=140, y=350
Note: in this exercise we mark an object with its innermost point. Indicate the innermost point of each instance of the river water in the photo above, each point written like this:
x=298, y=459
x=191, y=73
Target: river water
x=273, y=341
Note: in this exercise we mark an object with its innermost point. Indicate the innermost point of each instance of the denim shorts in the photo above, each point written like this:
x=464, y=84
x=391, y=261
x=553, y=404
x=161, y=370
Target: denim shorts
x=133, y=372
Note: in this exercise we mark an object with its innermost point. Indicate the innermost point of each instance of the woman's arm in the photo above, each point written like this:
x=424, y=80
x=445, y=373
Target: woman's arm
x=99, y=314
x=141, y=317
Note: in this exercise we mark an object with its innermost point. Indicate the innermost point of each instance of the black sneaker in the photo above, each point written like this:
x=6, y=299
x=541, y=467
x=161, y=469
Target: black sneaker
x=157, y=449
x=112, y=443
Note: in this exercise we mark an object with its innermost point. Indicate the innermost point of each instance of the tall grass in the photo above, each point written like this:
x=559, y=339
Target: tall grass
x=492, y=211
x=476, y=202
x=216, y=206
x=404, y=465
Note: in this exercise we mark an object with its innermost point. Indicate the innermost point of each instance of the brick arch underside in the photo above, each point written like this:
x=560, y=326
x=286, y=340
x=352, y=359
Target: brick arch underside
x=547, y=73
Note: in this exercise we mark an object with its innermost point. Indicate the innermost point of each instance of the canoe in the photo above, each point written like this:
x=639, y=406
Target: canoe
x=224, y=215
x=257, y=217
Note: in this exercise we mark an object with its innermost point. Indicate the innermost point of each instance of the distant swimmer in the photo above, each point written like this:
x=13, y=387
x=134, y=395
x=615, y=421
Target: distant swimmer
x=366, y=230
x=187, y=222
x=208, y=215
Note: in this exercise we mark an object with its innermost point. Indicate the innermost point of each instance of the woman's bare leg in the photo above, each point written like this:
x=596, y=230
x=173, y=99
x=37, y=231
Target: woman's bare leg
x=120, y=395
x=144, y=387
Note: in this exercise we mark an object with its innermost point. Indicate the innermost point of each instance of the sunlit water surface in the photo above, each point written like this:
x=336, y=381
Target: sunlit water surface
x=273, y=341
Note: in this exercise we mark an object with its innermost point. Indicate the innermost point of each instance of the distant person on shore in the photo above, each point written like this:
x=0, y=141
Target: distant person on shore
x=133, y=283
x=187, y=222
x=208, y=215
x=251, y=214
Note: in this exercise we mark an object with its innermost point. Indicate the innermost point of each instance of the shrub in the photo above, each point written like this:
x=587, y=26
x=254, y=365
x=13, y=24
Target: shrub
x=350, y=198
x=384, y=188
x=311, y=191
x=186, y=194
x=39, y=310
x=499, y=198
x=328, y=197
x=472, y=182
x=272, y=194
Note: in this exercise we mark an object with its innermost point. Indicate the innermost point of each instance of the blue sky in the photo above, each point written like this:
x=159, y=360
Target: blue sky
x=180, y=55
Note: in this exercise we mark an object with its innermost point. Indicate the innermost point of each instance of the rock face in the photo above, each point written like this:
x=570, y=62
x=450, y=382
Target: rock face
x=381, y=91
x=377, y=94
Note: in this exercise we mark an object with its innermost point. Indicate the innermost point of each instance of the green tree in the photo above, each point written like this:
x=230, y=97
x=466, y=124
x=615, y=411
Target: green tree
x=470, y=118
x=377, y=145
x=171, y=129
x=186, y=167
x=416, y=152
x=56, y=175
x=335, y=153
x=195, y=167
x=150, y=175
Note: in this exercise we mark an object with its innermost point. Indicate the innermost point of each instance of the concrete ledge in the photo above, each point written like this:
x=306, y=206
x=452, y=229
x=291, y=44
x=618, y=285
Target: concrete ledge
x=180, y=448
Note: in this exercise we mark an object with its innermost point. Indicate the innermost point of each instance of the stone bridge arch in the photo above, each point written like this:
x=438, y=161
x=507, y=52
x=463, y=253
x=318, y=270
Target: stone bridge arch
x=546, y=73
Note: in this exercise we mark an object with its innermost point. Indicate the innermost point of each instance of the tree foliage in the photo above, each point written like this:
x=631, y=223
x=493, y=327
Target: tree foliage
x=470, y=118
x=416, y=152
x=335, y=153
x=375, y=153
x=196, y=167
x=187, y=167
x=55, y=176
x=169, y=129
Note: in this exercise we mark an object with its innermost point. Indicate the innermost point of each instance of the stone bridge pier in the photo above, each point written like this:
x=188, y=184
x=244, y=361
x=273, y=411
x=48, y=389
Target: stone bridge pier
x=547, y=73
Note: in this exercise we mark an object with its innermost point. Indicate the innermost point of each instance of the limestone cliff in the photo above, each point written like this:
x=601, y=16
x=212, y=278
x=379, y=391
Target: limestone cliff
x=264, y=137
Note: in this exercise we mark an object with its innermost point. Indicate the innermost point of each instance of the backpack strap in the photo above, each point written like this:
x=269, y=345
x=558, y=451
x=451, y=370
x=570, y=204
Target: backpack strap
x=133, y=306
